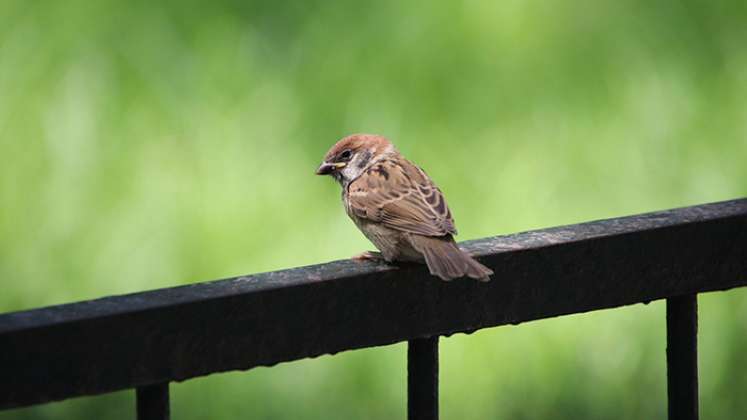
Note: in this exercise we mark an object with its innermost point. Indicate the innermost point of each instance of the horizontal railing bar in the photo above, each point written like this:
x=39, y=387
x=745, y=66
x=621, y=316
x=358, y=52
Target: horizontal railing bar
x=179, y=333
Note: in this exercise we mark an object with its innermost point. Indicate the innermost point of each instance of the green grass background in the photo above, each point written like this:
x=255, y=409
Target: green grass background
x=150, y=144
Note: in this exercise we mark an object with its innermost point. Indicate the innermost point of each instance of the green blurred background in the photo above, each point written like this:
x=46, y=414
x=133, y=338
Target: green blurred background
x=150, y=144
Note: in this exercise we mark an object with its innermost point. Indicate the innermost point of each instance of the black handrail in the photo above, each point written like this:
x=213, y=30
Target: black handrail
x=146, y=340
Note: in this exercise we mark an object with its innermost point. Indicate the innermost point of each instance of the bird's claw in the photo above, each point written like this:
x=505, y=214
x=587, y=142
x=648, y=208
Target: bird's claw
x=368, y=256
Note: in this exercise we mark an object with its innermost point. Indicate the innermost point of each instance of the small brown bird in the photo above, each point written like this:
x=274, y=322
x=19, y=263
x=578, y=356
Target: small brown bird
x=397, y=206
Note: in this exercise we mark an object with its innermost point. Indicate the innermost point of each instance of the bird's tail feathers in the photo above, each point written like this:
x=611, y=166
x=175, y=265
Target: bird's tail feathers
x=447, y=261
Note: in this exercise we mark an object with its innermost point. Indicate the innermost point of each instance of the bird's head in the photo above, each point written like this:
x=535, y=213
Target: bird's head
x=353, y=154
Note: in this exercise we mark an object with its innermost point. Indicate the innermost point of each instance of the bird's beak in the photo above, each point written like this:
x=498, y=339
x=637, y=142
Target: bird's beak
x=327, y=168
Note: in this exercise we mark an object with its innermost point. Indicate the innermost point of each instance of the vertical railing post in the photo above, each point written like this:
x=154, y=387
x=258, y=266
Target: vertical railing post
x=153, y=402
x=682, y=357
x=422, y=379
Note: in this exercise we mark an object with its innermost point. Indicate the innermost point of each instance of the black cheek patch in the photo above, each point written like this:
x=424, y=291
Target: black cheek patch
x=365, y=158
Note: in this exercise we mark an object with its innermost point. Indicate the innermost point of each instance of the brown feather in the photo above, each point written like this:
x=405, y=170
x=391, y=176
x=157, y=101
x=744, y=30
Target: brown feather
x=446, y=260
x=404, y=199
x=358, y=142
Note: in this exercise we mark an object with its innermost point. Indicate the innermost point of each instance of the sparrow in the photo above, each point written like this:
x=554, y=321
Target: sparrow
x=397, y=207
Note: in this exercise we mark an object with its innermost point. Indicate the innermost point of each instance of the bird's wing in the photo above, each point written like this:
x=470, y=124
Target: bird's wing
x=399, y=195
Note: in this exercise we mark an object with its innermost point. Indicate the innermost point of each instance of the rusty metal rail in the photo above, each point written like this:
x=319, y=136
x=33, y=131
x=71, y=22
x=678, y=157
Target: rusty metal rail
x=147, y=340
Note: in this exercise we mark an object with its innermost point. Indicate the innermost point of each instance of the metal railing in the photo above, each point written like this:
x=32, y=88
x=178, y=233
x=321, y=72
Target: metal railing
x=146, y=340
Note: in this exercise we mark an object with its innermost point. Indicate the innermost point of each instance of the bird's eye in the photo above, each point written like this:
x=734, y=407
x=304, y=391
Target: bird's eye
x=345, y=155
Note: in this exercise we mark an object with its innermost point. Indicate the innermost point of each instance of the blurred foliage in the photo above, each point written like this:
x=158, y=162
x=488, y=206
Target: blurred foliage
x=149, y=144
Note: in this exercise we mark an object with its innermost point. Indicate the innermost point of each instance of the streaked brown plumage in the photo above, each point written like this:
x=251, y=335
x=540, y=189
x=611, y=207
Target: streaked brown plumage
x=397, y=206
